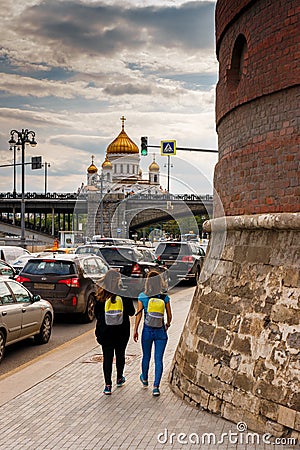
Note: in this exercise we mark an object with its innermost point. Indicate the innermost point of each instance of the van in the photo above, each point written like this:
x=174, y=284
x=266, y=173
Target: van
x=9, y=253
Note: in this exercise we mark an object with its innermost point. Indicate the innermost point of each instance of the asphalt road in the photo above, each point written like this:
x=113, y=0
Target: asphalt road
x=63, y=331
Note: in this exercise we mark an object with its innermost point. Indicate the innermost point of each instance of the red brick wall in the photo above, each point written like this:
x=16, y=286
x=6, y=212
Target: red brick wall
x=258, y=120
x=226, y=11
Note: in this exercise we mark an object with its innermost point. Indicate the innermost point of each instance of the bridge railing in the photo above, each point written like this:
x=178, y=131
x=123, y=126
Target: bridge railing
x=174, y=197
x=75, y=195
x=34, y=195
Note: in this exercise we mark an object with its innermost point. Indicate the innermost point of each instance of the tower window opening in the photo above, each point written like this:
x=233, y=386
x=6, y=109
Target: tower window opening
x=239, y=61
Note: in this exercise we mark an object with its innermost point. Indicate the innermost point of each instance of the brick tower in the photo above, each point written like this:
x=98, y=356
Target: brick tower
x=239, y=352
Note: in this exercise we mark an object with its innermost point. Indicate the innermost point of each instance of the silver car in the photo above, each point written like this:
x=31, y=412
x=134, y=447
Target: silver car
x=22, y=315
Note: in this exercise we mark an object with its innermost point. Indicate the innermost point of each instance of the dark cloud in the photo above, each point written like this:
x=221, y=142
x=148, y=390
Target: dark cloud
x=102, y=29
x=121, y=89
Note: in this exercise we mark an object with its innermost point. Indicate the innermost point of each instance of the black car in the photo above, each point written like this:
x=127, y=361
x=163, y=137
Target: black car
x=68, y=282
x=184, y=260
x=131, y=263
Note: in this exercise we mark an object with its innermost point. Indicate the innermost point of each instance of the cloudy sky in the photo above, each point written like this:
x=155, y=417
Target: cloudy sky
x=70, y=69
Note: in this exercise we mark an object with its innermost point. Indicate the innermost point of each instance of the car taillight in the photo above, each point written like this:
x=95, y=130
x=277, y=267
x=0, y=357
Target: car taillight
x=71, y=282
x=136, y=270
x=21, y=279
x=187, y=259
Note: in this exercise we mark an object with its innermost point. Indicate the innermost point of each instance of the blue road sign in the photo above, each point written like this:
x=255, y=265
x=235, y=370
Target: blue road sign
x=168, y=148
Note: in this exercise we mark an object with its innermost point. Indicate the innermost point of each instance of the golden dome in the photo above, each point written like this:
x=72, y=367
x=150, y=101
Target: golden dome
x=122, y=144
x=154, y=167
x=92, y=168
x=106, y=164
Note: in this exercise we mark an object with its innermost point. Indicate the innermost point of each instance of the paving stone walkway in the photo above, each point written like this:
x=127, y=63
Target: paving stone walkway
x=67, y=409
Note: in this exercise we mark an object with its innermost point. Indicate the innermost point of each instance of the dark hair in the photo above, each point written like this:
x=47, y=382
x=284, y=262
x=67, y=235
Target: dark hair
x=154, y=283
x=110, y=286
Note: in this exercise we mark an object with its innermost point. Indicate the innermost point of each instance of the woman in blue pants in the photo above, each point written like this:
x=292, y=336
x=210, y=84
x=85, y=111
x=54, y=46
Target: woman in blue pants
x=154, y=303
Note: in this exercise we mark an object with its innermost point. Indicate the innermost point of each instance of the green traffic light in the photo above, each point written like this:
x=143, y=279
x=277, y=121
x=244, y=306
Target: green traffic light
x=144, y=144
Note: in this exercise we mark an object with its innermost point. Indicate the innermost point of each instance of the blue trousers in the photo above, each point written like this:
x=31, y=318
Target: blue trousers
x=159, y=337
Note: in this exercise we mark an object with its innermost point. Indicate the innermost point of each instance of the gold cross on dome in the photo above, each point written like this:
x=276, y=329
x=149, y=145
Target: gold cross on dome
x=123, y=121
x=93, y=159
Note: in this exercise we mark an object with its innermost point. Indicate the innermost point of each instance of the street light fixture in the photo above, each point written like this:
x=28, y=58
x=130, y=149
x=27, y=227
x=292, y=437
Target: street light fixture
x=14, y=148
x=20, y=139
x=169, y=165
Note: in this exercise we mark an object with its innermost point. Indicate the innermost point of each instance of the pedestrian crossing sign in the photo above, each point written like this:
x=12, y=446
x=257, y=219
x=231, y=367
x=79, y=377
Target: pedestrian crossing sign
x=168, y=148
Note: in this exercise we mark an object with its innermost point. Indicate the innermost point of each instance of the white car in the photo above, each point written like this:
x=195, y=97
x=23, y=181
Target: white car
x=9, y=253
x=22, y=315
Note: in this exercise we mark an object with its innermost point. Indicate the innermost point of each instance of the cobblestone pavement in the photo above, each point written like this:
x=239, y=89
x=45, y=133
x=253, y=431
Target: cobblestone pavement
x=67, y=410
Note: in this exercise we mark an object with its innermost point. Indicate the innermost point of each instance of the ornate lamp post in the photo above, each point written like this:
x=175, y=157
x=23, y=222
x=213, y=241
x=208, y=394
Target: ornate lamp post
x=20, y=139
x=14, y=148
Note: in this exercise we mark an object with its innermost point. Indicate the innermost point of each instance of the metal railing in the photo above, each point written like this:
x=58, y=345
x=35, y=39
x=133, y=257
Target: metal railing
x=34, y=195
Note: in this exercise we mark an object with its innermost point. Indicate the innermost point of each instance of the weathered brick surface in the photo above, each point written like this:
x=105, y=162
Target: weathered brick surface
x=247, y=334
x=258, y=119
x=271, y=32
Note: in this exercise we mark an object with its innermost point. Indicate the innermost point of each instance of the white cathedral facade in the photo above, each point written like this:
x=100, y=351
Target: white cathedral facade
x=121, y=172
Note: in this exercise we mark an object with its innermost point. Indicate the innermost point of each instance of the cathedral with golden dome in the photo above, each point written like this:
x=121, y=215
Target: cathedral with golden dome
x=120, y=171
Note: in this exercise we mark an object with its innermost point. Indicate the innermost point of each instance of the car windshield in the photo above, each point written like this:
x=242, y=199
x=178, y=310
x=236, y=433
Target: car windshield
x=120, y=255
x=172, y=249
x=148, y=256
x=49, y=267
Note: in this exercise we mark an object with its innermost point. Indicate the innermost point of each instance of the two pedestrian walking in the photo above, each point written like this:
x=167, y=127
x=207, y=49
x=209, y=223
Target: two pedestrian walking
x=112, y=312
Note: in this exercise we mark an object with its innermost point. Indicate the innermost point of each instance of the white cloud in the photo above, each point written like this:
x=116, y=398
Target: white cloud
x=70, y=69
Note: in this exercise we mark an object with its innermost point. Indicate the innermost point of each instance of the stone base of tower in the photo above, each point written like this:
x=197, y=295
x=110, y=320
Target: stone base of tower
x=238, y=355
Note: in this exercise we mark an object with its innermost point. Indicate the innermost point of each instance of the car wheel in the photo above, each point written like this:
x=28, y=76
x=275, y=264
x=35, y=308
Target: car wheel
x=89, y=314
x=2, y=345
x=45, y=331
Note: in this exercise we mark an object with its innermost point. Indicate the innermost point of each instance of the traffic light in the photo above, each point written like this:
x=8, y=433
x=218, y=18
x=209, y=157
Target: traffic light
x=36, y=162
x=144, y=146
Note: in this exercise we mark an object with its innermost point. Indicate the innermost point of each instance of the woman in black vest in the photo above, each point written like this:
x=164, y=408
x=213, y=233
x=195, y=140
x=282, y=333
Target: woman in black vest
x=112, y=338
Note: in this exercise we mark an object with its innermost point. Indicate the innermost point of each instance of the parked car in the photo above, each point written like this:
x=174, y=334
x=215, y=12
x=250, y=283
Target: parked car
x=184, y=260
x=22, y=315
x=7, y=270
x=131, y=263
x=68, y=282
x=9, y=253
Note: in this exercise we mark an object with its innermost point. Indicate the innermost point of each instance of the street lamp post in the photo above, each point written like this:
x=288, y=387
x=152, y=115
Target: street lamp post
x=20, y=139
x=14, y=148
x=46, y=165
x=169, y=165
